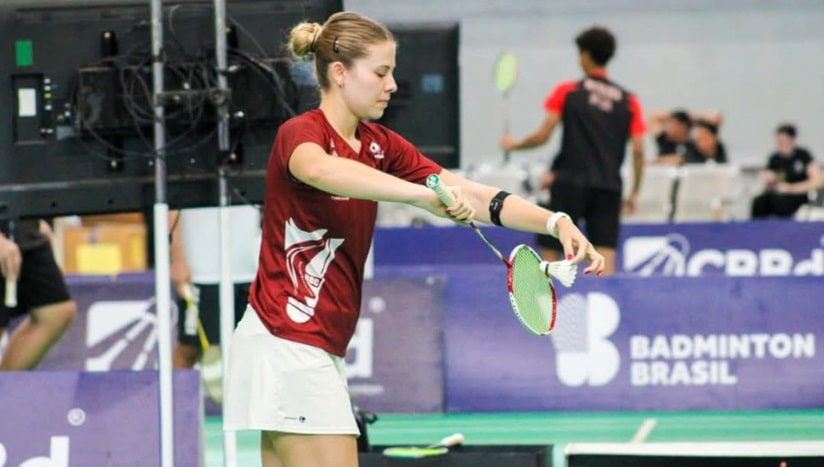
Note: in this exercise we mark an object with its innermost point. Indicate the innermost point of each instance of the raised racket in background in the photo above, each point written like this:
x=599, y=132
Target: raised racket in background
x=528, y=278
x=506, y=73
x=416, y=452
x=10, y=299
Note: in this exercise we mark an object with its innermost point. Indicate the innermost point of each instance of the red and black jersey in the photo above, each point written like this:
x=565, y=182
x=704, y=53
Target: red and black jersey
x=598, y=117
x=314, y=244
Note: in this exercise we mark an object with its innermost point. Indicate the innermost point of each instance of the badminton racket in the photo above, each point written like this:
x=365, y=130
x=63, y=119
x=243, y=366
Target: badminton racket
x=528, y=278
x=10, y=299
x=416, y=452
x=506, y=73
x=211, y=366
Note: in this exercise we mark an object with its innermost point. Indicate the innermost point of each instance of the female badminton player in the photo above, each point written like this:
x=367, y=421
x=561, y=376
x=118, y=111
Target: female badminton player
x=327, y=169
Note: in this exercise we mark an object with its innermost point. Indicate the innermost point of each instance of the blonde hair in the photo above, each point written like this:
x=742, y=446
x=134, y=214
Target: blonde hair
x=343, y=38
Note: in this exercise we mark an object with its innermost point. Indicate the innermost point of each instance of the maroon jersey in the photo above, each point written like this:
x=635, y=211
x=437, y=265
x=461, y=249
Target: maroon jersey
x=308, y=284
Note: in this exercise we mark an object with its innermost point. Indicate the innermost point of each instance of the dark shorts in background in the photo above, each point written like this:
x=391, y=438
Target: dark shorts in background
x=596, y=210
x=210, y=312
x=40, y=284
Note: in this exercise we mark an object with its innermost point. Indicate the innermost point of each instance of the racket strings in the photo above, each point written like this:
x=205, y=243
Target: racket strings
x=571, y=334
x=531, y=292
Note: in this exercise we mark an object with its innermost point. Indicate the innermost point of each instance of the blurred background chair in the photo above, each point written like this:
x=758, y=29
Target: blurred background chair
x=655, y=201
x=706, y=192
x=814, y=209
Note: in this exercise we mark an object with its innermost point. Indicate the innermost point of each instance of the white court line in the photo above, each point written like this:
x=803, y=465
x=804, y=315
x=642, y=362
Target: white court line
x=643, y=431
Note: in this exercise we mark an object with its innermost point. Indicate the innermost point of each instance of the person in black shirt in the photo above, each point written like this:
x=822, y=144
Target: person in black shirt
x=599, y=118
x=42, y=295
x=672, y=135
x=791, y=174
x=707, y=146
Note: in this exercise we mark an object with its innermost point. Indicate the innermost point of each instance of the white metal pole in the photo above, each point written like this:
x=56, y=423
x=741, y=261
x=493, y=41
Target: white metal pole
x=227, y=290
x=161, y=247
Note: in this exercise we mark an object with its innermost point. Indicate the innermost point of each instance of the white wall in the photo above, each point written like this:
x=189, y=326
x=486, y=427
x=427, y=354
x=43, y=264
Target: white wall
x=758, y=61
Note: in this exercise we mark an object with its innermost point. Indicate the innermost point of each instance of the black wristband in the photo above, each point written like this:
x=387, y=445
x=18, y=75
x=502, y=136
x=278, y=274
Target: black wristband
x=495, y=207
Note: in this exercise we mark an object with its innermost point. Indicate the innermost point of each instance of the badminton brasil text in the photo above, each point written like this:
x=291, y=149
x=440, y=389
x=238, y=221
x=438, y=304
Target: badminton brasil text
x=681, y=359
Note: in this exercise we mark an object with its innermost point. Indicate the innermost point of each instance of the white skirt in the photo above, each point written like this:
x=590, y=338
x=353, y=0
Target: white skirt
x=274, y=384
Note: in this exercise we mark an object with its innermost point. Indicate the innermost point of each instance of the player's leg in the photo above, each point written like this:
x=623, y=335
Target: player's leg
x=36, y=334
x=603, y=220
x=43, y=293
x=268, y=455
x=297, y=450
x=567, y=197
x=185, y=355
x=295, y=393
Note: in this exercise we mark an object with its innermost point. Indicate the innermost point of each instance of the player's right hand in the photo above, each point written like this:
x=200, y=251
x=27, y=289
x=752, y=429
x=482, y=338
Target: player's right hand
x=10, y=258
x=460, y=211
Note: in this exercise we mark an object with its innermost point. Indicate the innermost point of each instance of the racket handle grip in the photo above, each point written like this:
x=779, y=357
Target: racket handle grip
x=11, y=293
x=452, y=440
x=434, y=182
x=191, y=312
x=186, y=292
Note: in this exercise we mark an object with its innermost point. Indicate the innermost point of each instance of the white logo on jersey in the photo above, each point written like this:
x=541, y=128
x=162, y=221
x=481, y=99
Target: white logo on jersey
x=308, y=255
x=583, y=352
x=376, y=150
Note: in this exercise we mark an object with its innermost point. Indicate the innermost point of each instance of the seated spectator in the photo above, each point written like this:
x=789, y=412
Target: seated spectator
x=707, y=146
x=791, y=174
x=672, y=135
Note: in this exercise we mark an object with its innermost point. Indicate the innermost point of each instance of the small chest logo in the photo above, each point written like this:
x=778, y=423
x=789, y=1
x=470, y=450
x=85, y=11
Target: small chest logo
x=375, y=150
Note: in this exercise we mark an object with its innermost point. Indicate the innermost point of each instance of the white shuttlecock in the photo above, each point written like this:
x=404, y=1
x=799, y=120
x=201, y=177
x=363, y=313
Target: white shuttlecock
x=564, y=271
x=452, y=440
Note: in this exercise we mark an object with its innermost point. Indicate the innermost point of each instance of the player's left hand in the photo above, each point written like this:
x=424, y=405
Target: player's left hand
x=461, y=209
x=577, y=248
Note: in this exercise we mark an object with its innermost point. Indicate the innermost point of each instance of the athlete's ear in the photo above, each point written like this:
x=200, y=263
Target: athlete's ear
x=337, y=73
x=584, y=58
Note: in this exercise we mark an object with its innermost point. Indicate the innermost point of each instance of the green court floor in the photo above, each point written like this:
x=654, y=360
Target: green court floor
x=560, y=429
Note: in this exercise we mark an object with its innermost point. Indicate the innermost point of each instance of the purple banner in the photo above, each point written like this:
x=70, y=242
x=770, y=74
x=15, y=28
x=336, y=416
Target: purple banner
x=394, y=362
x=638, y=344
x=747, y=249
x=115, y=328
x=765, y=248
x=63, y=418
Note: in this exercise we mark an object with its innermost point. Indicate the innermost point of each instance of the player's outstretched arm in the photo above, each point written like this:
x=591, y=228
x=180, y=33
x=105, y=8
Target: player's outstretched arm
x=344, y=177
x=519, y=214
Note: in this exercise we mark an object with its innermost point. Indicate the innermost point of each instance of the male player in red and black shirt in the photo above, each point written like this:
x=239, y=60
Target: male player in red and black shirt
x=599, y=117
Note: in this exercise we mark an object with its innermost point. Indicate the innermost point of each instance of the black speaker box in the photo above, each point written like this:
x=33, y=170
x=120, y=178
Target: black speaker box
x=467, y=456
x=613, y=460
